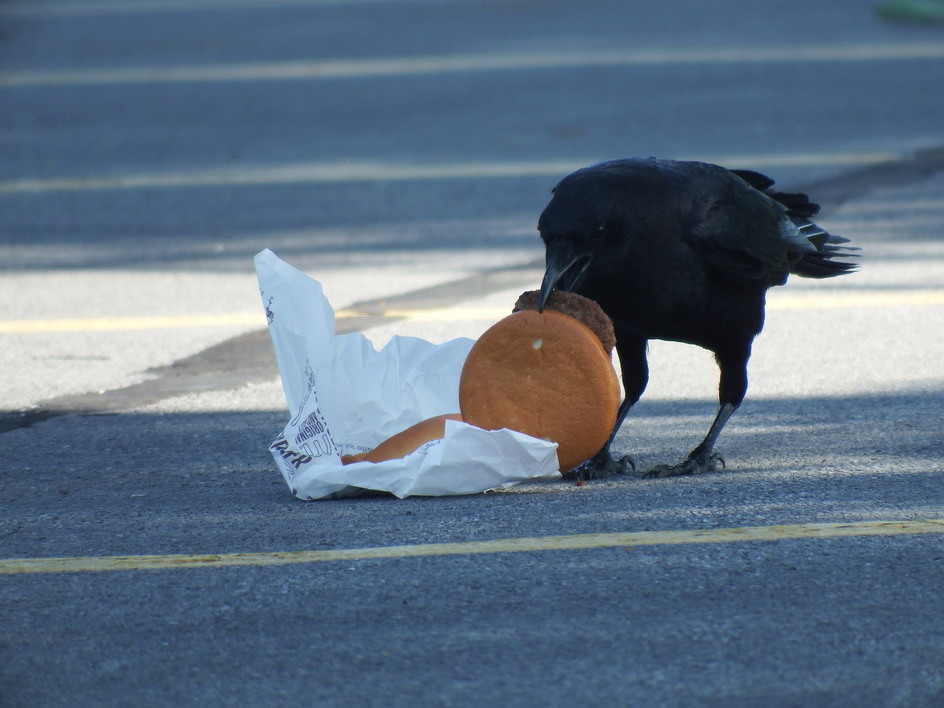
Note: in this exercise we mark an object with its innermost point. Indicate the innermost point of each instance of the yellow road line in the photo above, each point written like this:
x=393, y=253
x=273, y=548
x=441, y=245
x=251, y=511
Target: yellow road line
x=30, y=8
x=101, y=324
x=18, y=566
x=345, y=172
x=856, y=299
x=449, y=63
x=815, y=301
x=445, y=314
x=436, y=314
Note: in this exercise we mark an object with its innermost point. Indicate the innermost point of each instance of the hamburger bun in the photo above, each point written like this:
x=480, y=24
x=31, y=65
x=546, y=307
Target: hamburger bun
x=406, y=441
x=544, y=374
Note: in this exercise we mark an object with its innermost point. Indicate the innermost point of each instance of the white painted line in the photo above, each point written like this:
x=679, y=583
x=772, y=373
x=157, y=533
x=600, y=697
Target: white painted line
x=494, y=61
x=347, y=172
x=78, y=8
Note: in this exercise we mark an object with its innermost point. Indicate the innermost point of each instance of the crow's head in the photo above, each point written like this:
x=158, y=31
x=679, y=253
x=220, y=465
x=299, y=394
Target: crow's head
x=578, y=228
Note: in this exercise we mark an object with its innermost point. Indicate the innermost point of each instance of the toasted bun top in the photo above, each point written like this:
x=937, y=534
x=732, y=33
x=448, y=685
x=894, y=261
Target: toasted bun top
x=546, y=375
x=577, y=306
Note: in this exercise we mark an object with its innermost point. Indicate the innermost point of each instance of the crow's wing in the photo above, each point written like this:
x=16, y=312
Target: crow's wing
x=745, y=233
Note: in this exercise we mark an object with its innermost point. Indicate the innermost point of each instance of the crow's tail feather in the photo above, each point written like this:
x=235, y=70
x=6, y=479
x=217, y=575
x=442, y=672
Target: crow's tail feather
x=820, y=263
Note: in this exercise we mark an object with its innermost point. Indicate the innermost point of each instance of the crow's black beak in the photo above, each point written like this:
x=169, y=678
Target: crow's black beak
x=564, y=270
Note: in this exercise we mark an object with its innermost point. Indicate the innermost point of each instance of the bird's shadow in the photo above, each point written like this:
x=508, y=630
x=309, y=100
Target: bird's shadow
x=786, y=433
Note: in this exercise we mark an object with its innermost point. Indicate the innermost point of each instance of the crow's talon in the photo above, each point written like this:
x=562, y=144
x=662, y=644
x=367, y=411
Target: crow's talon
x=601, y=466
x=693, y=465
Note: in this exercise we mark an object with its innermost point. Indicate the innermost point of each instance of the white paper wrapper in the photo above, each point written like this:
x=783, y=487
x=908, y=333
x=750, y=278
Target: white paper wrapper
x=346, y=397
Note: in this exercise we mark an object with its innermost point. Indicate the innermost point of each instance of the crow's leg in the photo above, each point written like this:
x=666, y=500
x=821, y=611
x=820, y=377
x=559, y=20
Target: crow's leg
x=731, y=390
x=702, y=458
x=635, y=371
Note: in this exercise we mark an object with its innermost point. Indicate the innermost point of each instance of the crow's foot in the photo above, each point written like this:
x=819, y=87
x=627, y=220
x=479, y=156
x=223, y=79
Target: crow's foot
x=601, y=466
x=696, y=464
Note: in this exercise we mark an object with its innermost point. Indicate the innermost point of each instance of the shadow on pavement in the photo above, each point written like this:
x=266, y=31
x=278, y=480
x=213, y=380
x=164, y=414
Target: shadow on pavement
x=204, y=482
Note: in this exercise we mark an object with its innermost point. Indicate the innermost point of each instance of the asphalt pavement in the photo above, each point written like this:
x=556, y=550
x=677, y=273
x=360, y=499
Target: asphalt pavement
x=400, y=152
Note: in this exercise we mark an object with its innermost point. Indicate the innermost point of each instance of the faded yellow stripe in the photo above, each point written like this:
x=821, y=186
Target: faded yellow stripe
x=17, y=566
x=435, y=314
x=347, y=172
x=451, y=63
x=857, y=299
x=802, y=302
x=445, y=314
x=102, y=324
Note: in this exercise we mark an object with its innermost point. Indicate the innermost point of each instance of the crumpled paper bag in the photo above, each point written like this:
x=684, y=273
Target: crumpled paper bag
x=346, y=397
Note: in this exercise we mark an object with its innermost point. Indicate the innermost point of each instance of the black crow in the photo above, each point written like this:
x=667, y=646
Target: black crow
x=680, y=251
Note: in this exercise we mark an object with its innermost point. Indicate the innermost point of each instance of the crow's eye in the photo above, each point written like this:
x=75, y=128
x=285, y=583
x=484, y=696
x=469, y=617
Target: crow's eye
x=599, y=232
